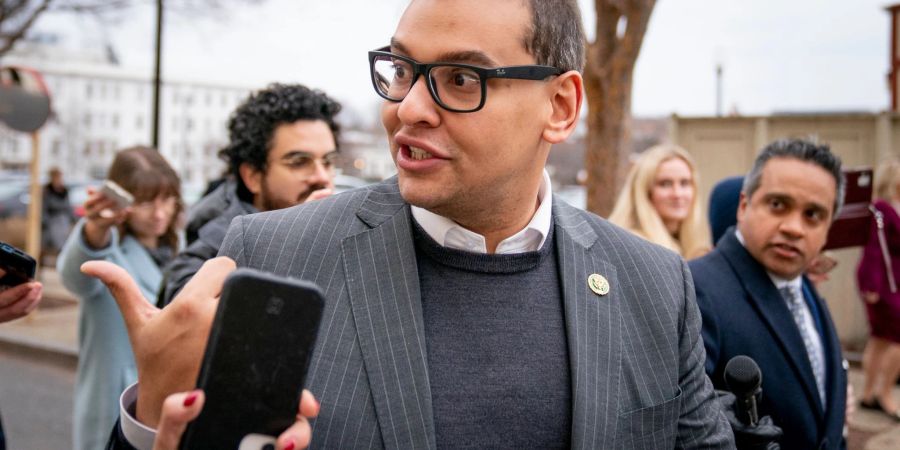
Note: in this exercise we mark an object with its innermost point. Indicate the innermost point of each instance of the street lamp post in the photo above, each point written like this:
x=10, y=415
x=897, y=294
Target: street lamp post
x=156, y=74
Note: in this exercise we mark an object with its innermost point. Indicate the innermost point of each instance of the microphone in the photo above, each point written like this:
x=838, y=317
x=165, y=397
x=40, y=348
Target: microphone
x=744, y=379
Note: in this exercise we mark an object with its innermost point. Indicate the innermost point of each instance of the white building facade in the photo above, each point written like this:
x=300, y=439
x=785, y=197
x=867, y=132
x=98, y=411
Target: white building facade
x=100, y=108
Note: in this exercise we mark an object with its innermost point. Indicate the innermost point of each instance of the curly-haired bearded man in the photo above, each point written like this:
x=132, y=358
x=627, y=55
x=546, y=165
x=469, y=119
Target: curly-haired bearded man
x=281, y=150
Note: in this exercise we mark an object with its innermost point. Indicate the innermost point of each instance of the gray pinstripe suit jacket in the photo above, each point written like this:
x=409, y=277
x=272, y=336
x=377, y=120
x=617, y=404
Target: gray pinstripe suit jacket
x=636, y=354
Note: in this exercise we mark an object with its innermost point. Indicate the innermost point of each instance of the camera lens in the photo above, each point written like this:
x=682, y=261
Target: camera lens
x=268, y=447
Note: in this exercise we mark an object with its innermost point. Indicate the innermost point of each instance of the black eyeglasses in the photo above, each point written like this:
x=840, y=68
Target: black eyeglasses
x=455, y=87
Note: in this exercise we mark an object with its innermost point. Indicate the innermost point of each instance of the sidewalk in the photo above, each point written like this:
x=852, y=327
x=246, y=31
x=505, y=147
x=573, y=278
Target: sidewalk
x=53, y=328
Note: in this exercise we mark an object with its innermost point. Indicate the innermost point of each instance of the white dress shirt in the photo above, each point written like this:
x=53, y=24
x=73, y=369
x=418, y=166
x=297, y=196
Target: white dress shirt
x=452, y=235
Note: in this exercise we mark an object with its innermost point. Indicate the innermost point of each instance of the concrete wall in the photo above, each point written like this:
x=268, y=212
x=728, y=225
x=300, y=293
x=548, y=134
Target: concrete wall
x=726, y=146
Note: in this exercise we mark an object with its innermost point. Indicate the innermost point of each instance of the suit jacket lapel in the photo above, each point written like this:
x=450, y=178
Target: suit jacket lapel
x=593, y=328
x=774, y=312
x=383, y=283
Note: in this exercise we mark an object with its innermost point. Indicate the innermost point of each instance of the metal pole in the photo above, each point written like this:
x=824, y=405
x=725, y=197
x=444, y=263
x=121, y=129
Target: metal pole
x=718, y=90
x=33, y=233
x=157, y=82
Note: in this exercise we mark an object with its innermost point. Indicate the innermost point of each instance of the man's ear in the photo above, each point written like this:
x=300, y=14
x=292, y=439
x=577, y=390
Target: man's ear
x=566, y=106
x=251, y=177
x=742, y=207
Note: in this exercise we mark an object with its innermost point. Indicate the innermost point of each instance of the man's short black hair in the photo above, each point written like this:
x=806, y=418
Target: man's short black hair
x=803, y=150
x=251, y=126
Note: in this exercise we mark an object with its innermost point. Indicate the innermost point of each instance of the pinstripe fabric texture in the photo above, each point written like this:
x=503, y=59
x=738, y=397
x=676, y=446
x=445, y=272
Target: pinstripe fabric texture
x=637, y=359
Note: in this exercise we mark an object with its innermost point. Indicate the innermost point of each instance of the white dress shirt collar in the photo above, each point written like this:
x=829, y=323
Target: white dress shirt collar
x=452, y=235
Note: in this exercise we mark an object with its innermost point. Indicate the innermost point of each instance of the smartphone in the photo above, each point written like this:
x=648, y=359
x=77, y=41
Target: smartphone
x=18, y=265
x=116, y=193
x=255, y=362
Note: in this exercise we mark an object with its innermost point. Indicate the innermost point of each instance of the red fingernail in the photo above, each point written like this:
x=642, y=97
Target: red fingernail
x=190, y=399
x=289, y=446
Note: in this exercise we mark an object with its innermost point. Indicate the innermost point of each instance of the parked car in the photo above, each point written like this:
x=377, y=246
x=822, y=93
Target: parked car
x=15, y=198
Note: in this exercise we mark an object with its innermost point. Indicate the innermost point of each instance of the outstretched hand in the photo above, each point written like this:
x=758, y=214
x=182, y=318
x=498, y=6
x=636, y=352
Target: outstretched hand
x=168, y=344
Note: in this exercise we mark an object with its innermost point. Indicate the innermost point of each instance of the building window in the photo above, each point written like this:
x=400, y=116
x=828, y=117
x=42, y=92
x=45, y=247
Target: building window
x=114, y=121
x=139, y=122
x=87, y=120
x=88, y=90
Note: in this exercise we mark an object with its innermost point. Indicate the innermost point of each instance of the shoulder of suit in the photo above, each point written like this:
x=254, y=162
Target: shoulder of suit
x=325, y=210
x=614, y=241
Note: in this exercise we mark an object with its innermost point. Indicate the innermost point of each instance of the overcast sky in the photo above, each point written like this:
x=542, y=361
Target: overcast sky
x=796, y=55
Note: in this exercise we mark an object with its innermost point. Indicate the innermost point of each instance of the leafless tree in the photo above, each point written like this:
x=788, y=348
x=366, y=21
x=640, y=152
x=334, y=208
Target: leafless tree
x=17, y=17
x=620, y=29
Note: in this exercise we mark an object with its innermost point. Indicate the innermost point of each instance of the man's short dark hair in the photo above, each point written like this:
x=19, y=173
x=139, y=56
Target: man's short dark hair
x=803, y=150
x=556, y=37
x=251, y=126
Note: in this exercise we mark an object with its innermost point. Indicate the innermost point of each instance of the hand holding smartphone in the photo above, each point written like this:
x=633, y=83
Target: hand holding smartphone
x=18, y=266
x=255, y=362
x=117, y=194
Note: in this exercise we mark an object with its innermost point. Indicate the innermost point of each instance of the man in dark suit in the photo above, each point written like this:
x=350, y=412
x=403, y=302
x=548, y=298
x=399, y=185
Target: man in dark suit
x=755, y=301
x=466, y=306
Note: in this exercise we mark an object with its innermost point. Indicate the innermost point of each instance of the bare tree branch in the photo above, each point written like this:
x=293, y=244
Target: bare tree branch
x=11, y=7
x=10, y=38
x=18, y=16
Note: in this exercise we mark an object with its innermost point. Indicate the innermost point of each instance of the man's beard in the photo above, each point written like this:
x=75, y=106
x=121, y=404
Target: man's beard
x=271, y=202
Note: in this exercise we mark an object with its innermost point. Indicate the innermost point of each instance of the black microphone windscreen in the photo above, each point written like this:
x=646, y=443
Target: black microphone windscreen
x=742, y=375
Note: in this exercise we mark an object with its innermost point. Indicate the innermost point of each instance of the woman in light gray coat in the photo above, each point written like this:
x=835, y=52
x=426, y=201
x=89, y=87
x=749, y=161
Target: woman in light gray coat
x=140, y=238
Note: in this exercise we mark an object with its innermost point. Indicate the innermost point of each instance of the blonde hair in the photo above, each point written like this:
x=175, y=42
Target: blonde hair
x=887, y=176
x=634, y=211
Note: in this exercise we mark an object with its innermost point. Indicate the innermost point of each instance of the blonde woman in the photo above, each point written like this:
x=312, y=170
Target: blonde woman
x=659, y=202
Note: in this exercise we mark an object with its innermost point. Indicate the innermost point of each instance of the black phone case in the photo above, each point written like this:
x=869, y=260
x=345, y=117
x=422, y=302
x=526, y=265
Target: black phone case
x=256, y=359
x=18, y=265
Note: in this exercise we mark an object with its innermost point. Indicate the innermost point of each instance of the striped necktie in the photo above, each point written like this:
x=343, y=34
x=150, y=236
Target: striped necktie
x=802, y=318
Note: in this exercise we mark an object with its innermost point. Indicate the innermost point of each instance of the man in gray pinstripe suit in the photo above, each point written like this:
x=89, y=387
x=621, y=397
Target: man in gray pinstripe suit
x=466, y=305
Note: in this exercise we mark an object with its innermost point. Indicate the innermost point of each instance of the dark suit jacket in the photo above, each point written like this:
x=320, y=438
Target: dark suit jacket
x=209, y=219
x=744, y=314
x=636, y=353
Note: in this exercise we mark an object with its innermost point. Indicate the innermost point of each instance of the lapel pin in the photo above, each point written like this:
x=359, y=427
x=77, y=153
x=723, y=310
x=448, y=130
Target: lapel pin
x=598, y=284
